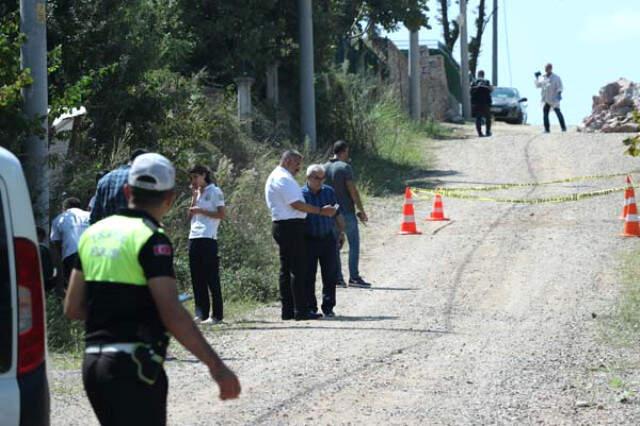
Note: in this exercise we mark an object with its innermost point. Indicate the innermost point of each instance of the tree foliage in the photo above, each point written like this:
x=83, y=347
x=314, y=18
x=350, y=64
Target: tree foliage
x=13, y=124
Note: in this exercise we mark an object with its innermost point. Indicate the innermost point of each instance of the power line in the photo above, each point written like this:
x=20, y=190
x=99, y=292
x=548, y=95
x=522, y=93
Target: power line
x=506, y=38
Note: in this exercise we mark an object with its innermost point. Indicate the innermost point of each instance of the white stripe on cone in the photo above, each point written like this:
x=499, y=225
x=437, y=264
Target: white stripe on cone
x=409, y=219
x=632, y=218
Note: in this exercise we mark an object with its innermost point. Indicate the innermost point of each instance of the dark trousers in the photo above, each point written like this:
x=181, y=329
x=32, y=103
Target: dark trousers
x=289, y=234
x=67, y=266
x=204, y=264
x=322, y=250
x=118, y=396
x=545, y=117
x=482, y=112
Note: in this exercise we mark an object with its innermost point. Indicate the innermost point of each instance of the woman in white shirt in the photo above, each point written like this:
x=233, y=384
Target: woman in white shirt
x=206, y=211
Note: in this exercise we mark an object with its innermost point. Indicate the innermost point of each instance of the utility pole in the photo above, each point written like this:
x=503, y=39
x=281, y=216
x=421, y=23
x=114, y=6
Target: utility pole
x=307, y=91
x=415, y=96
x=464, y=62
x=494, y=65
x=33, y=55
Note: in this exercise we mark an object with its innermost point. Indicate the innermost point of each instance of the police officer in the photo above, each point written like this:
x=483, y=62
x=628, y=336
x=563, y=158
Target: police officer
x=123, y=286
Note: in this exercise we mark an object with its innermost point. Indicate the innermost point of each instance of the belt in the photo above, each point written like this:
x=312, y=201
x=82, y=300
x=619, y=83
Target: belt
x=127, y=348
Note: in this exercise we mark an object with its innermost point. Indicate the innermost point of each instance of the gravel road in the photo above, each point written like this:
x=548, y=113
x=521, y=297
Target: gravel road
x=486, y=319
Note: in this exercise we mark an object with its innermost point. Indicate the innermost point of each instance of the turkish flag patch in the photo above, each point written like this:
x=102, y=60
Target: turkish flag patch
x=162, y=250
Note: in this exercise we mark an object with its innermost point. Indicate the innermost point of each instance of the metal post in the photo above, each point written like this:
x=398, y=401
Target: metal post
x=33, y=55
x=415, y=75
x=307, y=91
x=494, y=65
x=464, y=63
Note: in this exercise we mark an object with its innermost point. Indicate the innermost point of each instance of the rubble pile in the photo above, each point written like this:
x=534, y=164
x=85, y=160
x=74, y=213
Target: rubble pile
x=612, y=110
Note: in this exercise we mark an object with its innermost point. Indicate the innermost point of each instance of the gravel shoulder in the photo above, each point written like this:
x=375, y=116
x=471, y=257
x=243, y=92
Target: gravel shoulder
x=486, y=319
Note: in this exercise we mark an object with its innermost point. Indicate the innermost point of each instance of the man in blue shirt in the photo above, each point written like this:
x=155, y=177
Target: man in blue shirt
x=109, y=196
x=321, y=241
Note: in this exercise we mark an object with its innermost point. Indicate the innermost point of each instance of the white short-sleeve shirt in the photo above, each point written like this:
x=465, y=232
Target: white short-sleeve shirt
x=67, y=228
x=202, y=226
x=280, y=191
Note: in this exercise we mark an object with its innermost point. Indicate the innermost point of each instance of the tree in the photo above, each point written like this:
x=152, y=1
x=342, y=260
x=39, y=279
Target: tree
x=450, y=29
x=14, y=126
x=476, y=41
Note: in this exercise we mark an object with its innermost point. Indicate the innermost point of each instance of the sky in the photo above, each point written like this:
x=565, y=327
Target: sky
x=589, y=42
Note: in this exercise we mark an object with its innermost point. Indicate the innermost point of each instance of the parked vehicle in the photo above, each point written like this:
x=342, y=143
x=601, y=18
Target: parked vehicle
x=508, y=105
x=24, y=388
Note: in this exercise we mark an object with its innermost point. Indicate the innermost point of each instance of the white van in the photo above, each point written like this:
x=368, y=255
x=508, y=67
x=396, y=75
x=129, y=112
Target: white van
x=24, y=389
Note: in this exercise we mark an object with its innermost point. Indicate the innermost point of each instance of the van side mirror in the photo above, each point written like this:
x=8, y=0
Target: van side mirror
x=523, y=100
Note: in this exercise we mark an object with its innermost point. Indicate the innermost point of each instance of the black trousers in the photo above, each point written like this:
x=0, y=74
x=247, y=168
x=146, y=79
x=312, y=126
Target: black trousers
x=322, y=250
x=545, y=117
x=289, y=234
x=204, y=265
x=118, y=396
x=481, y=112
x=67, y=266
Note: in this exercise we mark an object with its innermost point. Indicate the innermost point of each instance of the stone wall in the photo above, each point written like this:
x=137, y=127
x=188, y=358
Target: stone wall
x=436, y=100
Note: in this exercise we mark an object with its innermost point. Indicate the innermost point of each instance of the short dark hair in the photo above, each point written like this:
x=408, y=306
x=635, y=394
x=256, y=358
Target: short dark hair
x=146, y=198
x=290, y=153
x=137, y=152
x=100, y=174
x=339, y=146
x=199, y=169
x=71, y=203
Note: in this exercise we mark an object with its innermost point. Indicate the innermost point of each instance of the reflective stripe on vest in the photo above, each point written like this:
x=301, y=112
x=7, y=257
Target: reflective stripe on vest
x=109, y=250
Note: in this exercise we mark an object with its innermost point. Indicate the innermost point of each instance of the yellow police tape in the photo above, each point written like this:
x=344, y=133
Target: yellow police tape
x=460, y=192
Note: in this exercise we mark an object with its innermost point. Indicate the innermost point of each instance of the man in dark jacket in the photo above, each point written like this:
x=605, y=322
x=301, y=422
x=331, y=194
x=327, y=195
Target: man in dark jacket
x=481, y=103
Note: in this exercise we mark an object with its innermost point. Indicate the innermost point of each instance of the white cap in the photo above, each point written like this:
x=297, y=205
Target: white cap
x=153, y=172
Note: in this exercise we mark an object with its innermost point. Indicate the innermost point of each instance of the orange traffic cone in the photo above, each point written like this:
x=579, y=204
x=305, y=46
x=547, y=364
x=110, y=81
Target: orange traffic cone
x=629, y=193
x=408, y=226
x=437, y=212
x=631, y=224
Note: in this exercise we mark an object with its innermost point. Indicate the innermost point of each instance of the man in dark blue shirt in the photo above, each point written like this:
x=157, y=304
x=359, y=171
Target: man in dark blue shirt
x=321, y=241
x=109, y=196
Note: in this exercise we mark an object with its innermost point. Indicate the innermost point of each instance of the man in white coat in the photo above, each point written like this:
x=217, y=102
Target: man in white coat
x=551, y=86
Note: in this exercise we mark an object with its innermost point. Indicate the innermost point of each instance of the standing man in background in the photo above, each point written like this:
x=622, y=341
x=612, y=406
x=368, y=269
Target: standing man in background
x=288, y=213
x=321, y=241
x=481, y=103
x=109, y=196
x=551, y=90
x=339, y=175
x=66, y=230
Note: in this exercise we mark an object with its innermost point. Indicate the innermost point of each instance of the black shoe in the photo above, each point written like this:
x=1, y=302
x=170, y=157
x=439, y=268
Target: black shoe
x=359, y=282
x=287, y=317
x=489, y=134
x=564, y=130
x=308, y=316
x=341, y=284
x=330, y=314
x=480, y=135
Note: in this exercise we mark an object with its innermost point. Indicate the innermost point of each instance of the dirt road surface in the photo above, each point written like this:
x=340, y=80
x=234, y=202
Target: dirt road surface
x=486, y=319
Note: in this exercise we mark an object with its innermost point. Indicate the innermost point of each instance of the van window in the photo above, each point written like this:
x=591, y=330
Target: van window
x=6, y=317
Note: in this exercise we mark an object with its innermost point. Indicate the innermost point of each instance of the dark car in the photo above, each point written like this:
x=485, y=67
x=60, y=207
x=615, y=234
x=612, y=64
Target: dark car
x=508, y=105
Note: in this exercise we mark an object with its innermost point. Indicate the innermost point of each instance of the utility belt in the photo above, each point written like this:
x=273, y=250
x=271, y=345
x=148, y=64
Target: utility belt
x=147, y=359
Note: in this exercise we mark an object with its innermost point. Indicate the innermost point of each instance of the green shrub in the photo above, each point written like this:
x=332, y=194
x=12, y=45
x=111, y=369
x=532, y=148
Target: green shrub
x=63, y=335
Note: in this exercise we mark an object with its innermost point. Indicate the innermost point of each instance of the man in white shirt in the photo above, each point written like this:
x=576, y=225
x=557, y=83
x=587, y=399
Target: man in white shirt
x=206, y=211
x=288, y=212
x=551, y=86
x=66, y=229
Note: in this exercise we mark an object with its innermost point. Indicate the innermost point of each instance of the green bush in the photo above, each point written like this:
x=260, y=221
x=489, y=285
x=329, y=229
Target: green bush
x=63, y=335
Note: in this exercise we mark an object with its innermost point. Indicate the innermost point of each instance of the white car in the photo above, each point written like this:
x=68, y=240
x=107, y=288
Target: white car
x=24, y=388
